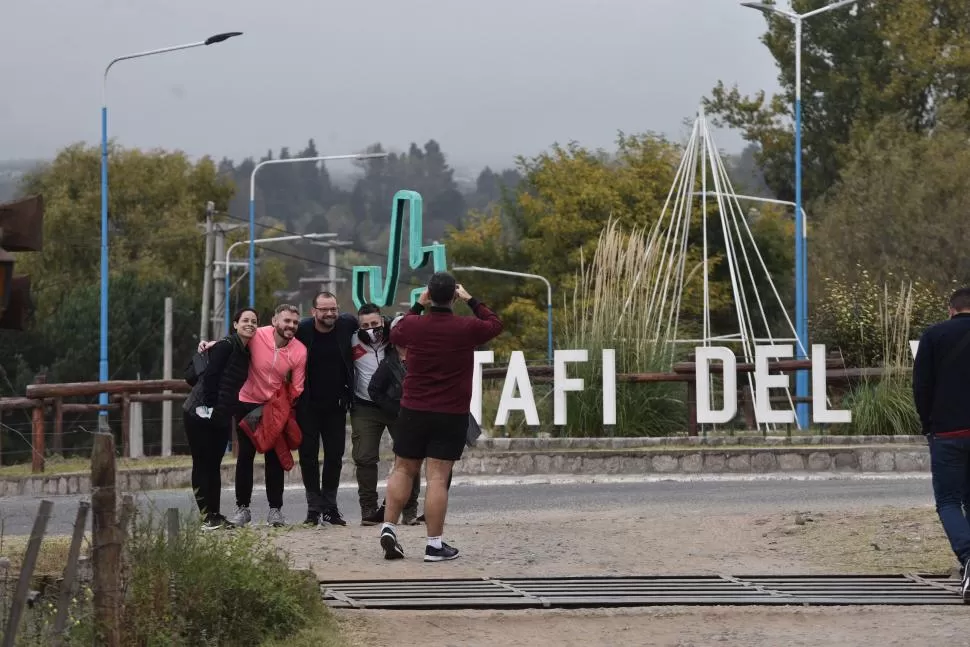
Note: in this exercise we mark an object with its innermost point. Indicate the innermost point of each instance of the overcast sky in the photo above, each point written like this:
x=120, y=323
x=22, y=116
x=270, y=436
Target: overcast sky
x=488, y=80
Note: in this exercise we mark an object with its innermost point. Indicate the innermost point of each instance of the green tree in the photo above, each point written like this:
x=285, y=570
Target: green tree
x=900, y=208
x=858, y=66
x=555, y=216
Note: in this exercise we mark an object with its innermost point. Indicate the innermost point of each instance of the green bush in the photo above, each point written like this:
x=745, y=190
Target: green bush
x=228, y=588
x=851, y=316
x=884, y=406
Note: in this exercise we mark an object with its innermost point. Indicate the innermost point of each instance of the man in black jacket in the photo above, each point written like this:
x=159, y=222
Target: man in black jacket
x=322, y=409
x=941, y=390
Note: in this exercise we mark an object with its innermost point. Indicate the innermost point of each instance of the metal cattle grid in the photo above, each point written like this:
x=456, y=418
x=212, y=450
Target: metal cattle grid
x=580, y=592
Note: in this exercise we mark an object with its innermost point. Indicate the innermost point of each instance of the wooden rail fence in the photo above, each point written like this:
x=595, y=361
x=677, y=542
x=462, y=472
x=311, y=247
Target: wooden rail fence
x=42, y=398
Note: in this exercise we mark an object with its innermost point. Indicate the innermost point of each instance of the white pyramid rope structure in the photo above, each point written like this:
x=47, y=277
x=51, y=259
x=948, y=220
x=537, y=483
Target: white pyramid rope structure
x=684, y=208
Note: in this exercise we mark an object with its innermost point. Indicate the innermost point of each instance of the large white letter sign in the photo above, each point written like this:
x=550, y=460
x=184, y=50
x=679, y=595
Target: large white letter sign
x=705, y=414
x=764, y=382
x=481, y=357
x=609, y=386
x=561, y=383
x=820, y=411
x=517, y=376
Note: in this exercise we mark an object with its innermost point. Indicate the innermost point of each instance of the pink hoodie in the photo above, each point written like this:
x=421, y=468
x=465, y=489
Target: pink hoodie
x=269, y=365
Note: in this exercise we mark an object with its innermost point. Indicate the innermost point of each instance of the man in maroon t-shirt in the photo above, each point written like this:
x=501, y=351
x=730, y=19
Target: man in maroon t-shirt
x=435, y=406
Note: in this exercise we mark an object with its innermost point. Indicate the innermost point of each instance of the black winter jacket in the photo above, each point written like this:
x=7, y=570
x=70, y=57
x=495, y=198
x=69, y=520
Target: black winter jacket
x=387, y=384
x=225, y=375
x=344, y=328
x=941, y=376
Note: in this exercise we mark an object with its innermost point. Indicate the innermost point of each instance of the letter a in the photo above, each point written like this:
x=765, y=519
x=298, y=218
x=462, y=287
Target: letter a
x=517, y=376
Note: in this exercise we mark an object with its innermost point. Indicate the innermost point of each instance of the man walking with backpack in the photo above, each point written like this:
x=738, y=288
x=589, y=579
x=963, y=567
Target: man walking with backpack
x=941, y=390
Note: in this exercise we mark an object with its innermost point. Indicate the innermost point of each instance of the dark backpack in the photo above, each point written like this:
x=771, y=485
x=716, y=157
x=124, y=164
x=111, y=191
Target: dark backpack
x=196, y=367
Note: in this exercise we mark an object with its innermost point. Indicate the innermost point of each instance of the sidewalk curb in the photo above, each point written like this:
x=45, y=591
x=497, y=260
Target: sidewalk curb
x=498, y=457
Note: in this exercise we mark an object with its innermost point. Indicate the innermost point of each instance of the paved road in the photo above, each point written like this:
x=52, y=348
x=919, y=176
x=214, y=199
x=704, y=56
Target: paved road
x=17, y=513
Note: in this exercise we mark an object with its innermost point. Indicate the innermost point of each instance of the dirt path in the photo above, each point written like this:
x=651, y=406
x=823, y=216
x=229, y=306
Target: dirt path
x=632, y=541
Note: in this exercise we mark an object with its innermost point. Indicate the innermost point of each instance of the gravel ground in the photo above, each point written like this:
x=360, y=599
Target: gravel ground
x=701, y=537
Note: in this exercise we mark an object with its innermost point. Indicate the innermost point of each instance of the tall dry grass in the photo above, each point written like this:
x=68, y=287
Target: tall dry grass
x=619, y=303
x=885, y=405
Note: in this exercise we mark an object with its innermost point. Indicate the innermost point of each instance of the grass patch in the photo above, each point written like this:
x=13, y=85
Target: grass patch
x=52, y=557
x=79, y=464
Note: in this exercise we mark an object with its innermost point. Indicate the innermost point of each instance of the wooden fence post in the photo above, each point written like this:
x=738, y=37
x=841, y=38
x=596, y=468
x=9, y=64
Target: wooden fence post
x=172, y=517
x=37, y=433
x=106, y=537
x=27, y=572
x=59, y=426
x=125, y=425
x=70, y=573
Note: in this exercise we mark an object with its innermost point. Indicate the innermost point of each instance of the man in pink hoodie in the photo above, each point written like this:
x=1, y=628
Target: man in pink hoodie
x=275, y=357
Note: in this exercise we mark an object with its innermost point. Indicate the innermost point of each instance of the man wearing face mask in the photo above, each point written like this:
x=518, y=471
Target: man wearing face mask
x=322, y=410
x=367, y=419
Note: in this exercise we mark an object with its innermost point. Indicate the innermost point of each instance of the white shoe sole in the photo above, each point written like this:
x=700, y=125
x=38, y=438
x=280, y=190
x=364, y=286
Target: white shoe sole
x=440, y=558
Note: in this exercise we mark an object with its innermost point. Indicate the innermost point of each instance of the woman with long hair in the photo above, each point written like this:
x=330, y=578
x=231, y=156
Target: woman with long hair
x=209, y=425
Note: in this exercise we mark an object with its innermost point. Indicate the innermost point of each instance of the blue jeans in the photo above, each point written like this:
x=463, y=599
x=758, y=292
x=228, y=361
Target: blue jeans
x=950, y=465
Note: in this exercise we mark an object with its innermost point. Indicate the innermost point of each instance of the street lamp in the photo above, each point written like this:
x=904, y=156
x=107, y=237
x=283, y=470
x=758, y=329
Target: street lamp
x=252, y=204
x=103, y=363
x=260, y=241
x=801, y=274
x=491, y=270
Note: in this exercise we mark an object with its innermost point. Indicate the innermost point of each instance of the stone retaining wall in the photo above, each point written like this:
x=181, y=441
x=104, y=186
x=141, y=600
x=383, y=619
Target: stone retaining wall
x=534, y=456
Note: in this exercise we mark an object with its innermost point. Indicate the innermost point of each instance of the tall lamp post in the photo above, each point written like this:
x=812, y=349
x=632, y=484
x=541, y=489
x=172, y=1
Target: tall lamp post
x=252, y=204
x=260, y=241
x=103, y=362
x=801, y=274
x=492, y=270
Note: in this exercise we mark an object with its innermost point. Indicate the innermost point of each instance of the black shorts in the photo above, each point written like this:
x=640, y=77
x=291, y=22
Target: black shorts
x=426, y=434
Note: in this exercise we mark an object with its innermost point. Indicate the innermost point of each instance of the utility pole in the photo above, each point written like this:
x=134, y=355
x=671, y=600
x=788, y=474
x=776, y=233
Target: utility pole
x=210, y=208
x=330, y=280
x=167, y=375
x=219, y=276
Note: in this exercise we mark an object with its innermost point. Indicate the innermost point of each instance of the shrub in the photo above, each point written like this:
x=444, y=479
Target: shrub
x=850, y=316
x=229, y=588
x=885, y=405
x=614, y=306
x=226, y=588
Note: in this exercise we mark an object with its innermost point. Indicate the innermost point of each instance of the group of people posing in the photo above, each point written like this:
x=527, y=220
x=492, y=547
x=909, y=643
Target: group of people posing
x=291, y=385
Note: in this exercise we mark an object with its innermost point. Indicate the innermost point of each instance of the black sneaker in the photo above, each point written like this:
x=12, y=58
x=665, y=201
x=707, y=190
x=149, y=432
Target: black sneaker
x=374, y=518
x=392, y=548
x=442, y=554
x=312, y=519
x=419, y=520
x=965, y=585
x=333, y=518
x=214, y=522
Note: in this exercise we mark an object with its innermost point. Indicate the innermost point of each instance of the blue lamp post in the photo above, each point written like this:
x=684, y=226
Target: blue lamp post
x=103, y=363
x=801, y=273
x=492, y=270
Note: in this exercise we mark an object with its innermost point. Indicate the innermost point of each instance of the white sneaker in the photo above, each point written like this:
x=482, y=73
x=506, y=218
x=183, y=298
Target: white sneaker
x=242, y=517
x=275, y=518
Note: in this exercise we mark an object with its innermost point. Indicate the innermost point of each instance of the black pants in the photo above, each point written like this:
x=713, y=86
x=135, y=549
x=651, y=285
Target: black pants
x=330, y=427
x=207, y=442
x=244, y=468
